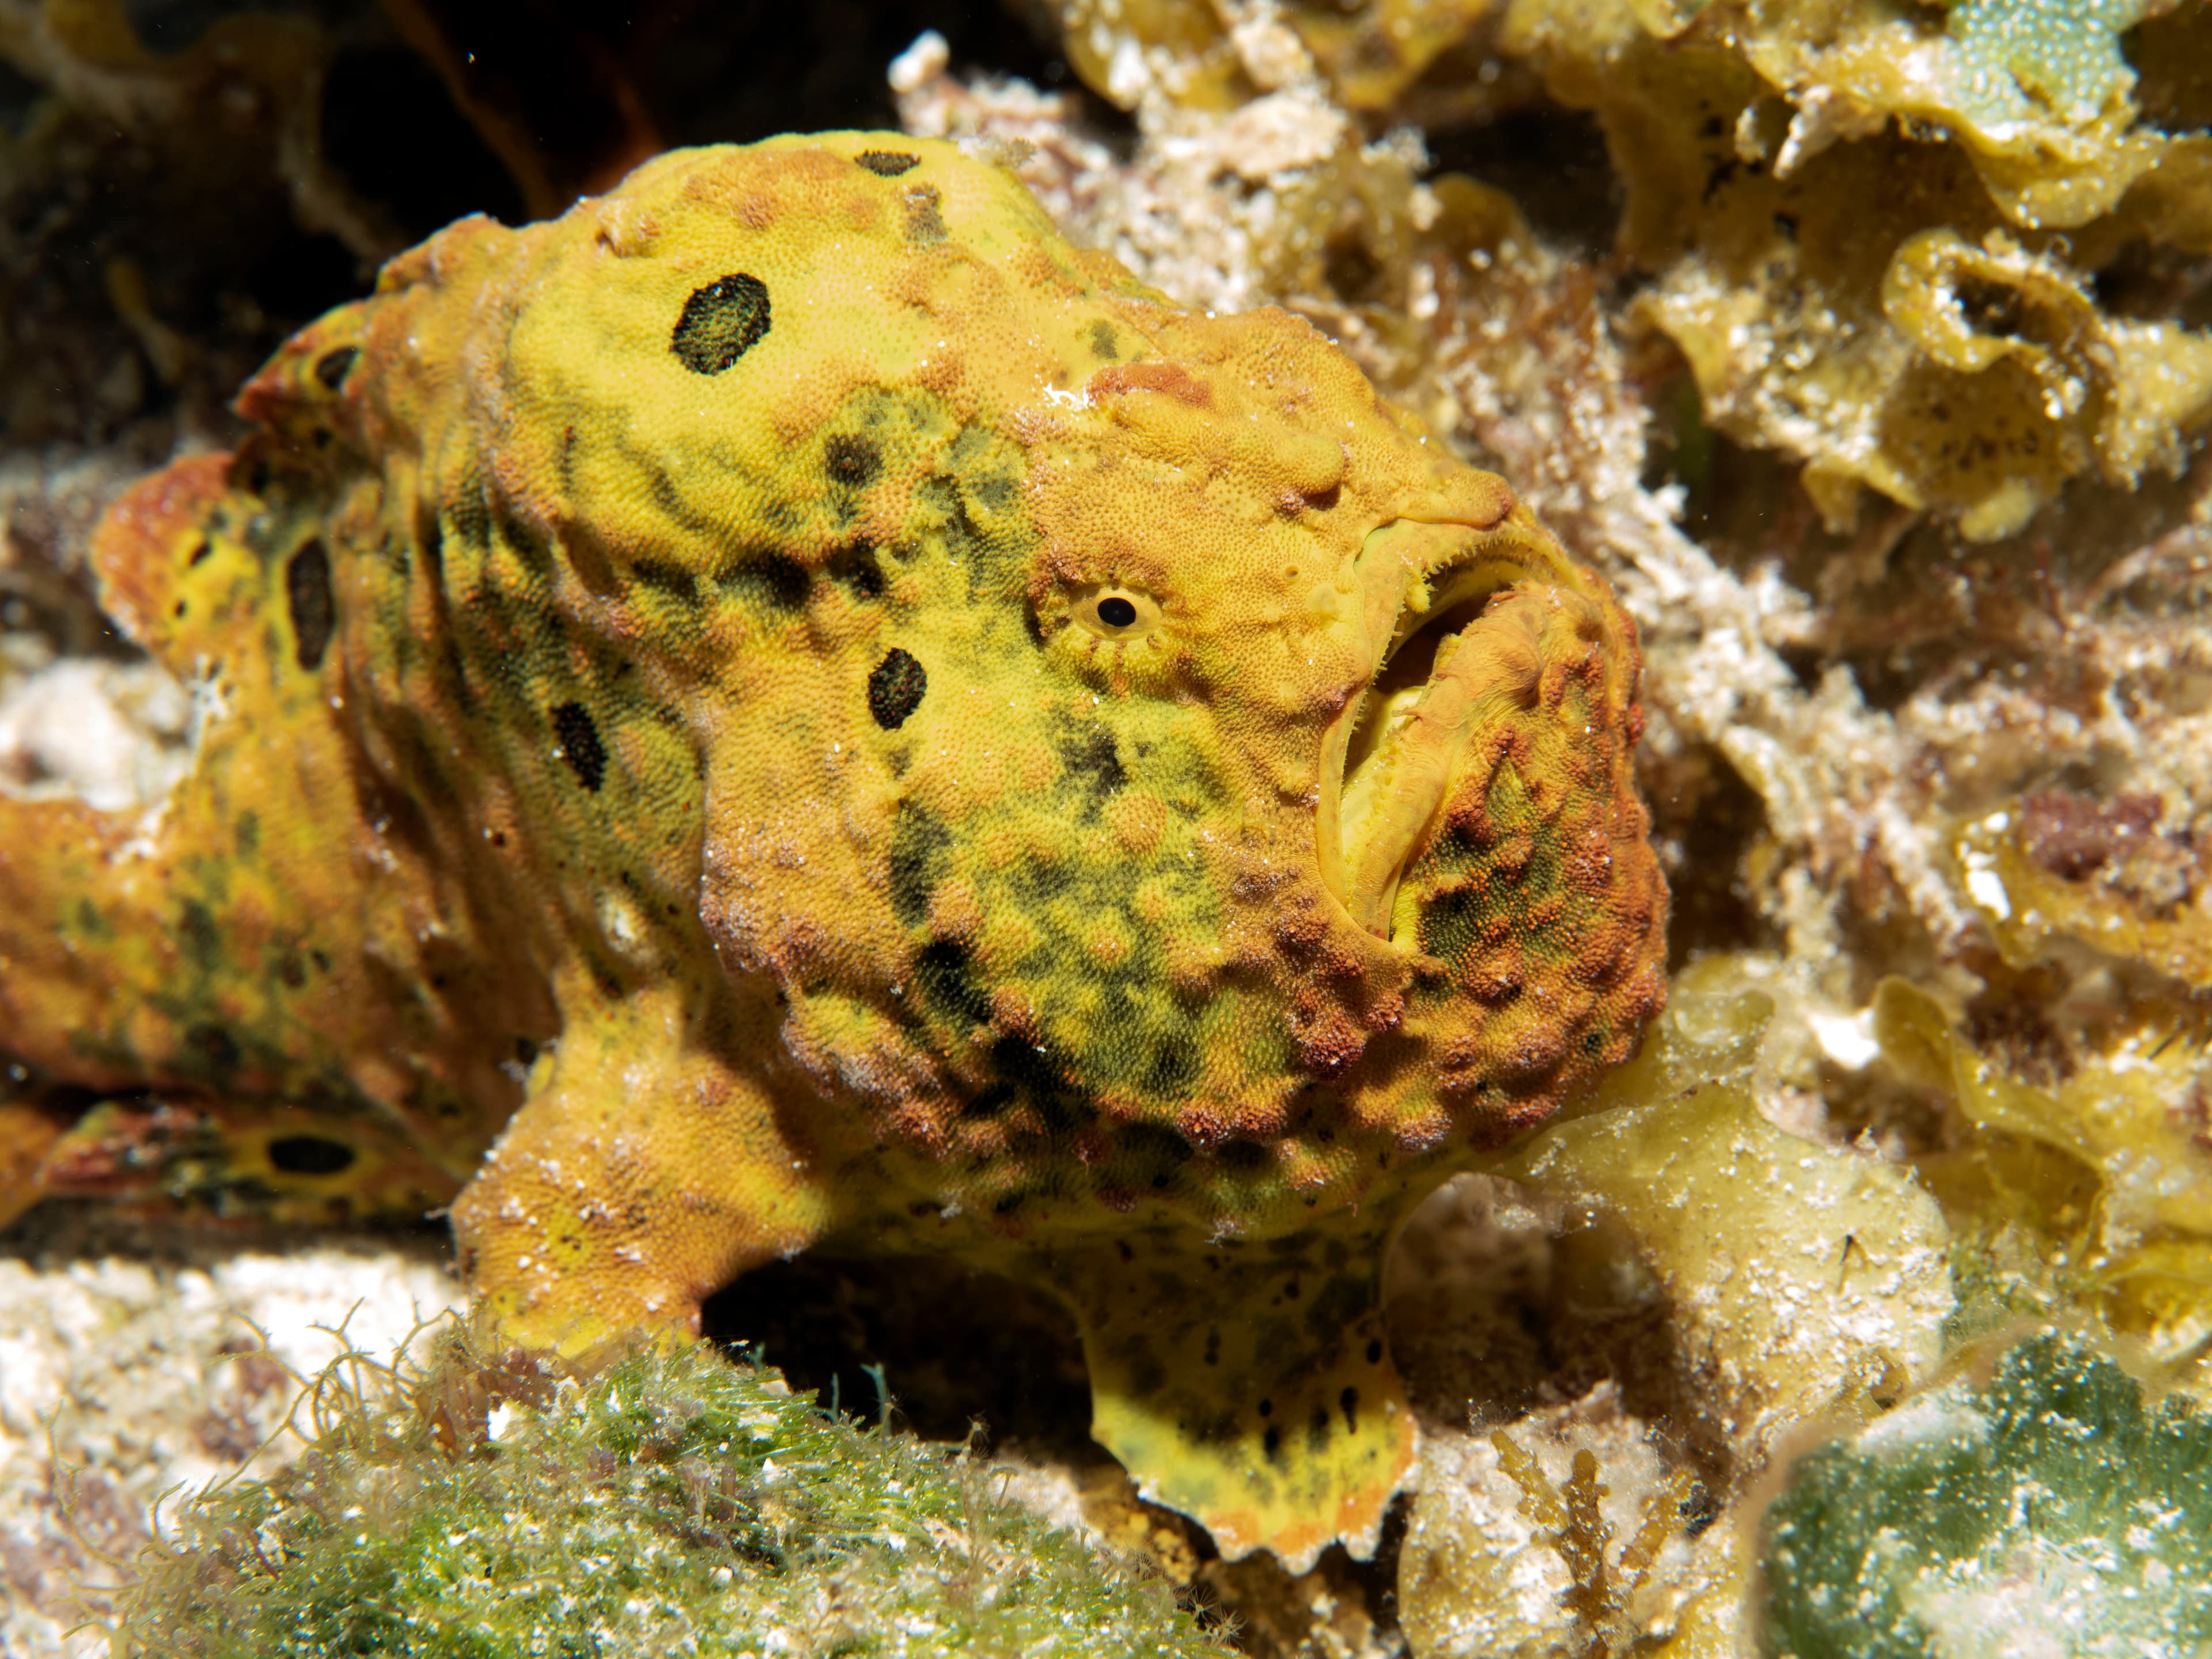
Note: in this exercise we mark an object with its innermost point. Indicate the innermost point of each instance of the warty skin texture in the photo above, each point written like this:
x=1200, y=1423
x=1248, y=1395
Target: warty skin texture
x=869, y=727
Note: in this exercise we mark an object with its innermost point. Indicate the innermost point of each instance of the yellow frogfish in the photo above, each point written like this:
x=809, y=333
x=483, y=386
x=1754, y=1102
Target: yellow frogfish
x=791, y=707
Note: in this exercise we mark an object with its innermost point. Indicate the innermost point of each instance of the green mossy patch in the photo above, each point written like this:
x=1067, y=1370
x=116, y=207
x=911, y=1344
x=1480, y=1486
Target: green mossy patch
x=2052, y=1507
x=668, y=1503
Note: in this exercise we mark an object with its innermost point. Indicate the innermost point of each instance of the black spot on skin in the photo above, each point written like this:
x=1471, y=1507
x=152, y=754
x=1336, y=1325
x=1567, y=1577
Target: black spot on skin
x=580, y=744
x=1349, y=1400
x=1272, y=1442
x=309, y=1154
x=292, y=970
x=849, y=460
x=1104, y=345
x=307, y=591
x=1374, y=1351
x=769, y=578
x=1266, y=1408
x=895, y=688
x=925, y=215
x=201, y=551
x=887, y=163
x=332, y=367
x=1097, y=762
x=720, y=323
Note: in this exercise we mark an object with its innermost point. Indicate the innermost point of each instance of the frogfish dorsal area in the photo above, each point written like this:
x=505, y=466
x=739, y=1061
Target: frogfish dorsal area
x=790, y=706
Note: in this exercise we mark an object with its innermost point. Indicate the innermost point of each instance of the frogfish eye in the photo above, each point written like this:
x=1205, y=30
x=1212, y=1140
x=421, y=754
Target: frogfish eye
x=1115, y=612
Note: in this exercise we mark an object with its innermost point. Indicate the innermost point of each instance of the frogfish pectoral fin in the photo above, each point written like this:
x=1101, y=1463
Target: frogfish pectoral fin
x=1246, y=1385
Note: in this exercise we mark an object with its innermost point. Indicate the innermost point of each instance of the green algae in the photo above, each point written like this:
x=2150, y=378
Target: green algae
x=668, y=1503
x=2055, y=1504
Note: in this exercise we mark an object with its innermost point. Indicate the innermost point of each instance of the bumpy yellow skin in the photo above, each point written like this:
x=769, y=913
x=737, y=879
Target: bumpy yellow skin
x=868, y=726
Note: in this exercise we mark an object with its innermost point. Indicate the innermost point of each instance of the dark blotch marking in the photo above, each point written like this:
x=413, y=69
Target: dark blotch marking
x=214, y=1048
x=432, y=535
x=887, y=163
x=309, y=1154
x=1318, y=1430
x=580, y=744
x=720, y=323
x=857, y=570
x=852, y=460
x=1452, y=923
x=202, y=939
x=471, y=514
x=202, y=549
x=1017, y=1060
x=1162, y=1148
x=314, y=613
x=1104, y=345
x=770, y=579
x=1272, y=1442
x=1349, y=1400
x=1096, y=760
x=895, y=688
x=332, y=367
x=918, y=848
x=1375, y=1351
x=992, y=1101
x=671, y=579
x=1173, y=1064
x=947, y=979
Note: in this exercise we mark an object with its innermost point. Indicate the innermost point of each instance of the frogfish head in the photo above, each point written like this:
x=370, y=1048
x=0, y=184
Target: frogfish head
x=1148, y=772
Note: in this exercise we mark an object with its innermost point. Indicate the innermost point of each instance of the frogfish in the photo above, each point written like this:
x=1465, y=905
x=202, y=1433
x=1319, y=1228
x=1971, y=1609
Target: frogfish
x=789, y=707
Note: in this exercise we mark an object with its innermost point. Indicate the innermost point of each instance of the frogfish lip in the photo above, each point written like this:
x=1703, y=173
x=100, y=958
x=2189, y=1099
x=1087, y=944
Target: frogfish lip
x=1387, y=758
